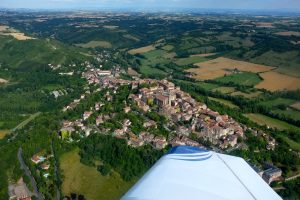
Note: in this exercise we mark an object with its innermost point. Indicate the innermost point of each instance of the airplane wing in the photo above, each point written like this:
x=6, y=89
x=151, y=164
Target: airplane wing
x=192, y=173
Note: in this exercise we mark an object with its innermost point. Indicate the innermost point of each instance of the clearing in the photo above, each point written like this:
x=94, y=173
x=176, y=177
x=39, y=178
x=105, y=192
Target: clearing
x=96, y=43
x=142, y=50
x=269, y=121
x=224, y=66
x=85, y=180
x=274, y=81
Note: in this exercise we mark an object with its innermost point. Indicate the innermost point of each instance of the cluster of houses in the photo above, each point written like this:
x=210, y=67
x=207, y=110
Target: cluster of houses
x=42, y=162
x=187, y=114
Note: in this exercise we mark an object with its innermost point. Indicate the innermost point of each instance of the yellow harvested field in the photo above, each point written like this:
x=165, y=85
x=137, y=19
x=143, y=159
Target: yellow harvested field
x=203, y=54
x=3, y=133
x=142, y=49
x=3, y=80
x=274, y=81
x=296, y=105
x=220, y=66
x=18, y=36
x=288, y=33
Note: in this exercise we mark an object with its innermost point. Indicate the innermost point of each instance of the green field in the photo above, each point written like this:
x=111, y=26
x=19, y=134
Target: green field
x=82, y=179
x=271, y=122
x=168, y=47
x=276, y=102
x=224, y=90
x=247, y=95
x=147, y=70
x=245, y=78
x=224, y=102
x=290, y=113
x=96, y=43
x=190, y=60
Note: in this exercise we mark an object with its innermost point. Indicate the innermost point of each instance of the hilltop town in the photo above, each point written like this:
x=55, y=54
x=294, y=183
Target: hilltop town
x=186, y=121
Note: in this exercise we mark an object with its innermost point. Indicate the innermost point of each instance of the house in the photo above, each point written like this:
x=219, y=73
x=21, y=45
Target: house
x=99, y=120
x=87, y=114
x=104, y=73
x=119, y=132
x=127, y=109
x=149, y=123
x=159, y=142
x=37, y=159
x=45, y=166
x=272, y=174
x=161, y=100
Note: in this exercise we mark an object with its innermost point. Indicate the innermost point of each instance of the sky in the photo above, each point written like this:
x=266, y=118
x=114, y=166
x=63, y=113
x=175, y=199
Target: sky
x=293, y=5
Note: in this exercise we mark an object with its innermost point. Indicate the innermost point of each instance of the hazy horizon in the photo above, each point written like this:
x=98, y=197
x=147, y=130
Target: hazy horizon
x=278, y=5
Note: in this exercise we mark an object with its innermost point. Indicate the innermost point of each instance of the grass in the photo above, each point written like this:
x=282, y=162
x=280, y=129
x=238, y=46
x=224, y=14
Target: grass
x=147, y=70
x=246, y=78
x=289, y=113
x=94, y=44
x=154, y=54
x=247, y=95
x=277, y=102
x=224, y=102
x=168, y=47
x=271, y=122
x=190, y=60
x=224, y=90
x=3, y=133
x=294, y=145
x=82, y=179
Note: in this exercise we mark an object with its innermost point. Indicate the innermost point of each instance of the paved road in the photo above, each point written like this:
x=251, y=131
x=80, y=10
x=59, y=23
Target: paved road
x=28, y=173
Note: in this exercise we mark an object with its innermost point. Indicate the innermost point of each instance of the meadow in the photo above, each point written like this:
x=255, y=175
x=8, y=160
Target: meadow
x=85, y=180
x=244, y=78
x=224, y=102
x=271, y=122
